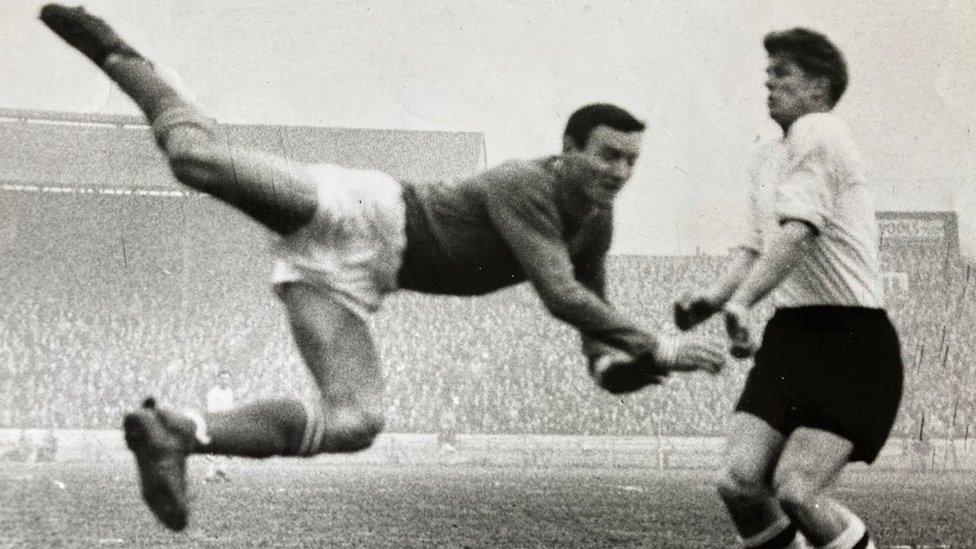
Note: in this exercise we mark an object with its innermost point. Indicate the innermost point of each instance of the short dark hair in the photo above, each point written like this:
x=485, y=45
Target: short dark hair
x=586, y=118
x=814, y=53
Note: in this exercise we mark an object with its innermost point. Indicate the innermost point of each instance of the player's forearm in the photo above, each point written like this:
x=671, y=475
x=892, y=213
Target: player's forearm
x=774, y=265
x=739, y=267
x=596, y=320
x=593, y=278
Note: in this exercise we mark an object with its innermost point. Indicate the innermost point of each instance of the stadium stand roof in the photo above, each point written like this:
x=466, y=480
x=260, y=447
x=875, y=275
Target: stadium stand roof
x=73, y=151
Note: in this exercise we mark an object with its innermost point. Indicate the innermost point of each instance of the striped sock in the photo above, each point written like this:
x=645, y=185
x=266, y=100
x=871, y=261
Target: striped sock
x=866, y=542
x=782, y=534
x=314, y=430
x=854, y=536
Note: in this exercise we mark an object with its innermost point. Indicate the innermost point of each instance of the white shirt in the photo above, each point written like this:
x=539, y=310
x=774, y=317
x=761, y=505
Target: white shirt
x=219, y=400
x=814, y=174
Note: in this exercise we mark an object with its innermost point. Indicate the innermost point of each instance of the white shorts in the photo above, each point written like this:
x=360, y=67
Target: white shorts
x=353, y=245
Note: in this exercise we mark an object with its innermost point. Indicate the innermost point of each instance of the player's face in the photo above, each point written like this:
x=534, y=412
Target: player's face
x=792, y=92
x=612, y=154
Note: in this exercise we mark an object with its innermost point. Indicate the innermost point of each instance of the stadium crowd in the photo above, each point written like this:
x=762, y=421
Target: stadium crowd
x=80, y=342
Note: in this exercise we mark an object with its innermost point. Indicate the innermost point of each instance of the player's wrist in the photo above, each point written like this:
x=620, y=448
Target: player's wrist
x=736, y=303
x=666, y=351
x=598, y=363
x=714, y=299
x=604, y=360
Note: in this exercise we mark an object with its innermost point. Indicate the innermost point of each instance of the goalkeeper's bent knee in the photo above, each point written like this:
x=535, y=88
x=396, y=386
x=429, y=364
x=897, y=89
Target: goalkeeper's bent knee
x=346, y=429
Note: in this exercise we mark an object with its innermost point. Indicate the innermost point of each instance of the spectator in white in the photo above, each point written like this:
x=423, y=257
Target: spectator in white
x=448, y=426
x=220, y=398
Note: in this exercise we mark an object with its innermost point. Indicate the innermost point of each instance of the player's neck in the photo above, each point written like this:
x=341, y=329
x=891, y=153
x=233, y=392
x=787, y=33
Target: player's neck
x=787, y=124
x=573, y=204
x=571, y=199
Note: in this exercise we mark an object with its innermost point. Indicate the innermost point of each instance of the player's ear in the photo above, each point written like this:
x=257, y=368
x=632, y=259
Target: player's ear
x=568, y=144
x=823, y=88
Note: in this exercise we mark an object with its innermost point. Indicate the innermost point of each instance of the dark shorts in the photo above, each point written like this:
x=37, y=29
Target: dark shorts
x=838, y=369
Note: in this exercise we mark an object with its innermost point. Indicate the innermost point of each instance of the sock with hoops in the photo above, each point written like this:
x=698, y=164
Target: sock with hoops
x=854, y=536
x=779, y=535
x=137, y=77
x=88, y=34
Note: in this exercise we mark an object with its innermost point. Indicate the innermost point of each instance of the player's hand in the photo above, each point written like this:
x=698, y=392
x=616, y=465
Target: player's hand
x=678, y=354
x=619, y=372
x=692, y=308
x=737, y=326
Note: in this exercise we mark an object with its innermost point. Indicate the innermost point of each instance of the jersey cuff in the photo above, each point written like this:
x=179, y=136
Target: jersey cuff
x=814, y=228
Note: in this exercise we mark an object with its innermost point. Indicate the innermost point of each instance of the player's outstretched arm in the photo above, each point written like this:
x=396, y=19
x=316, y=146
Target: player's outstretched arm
x=617, y=371
x=528, y=221
x=769, y=270
x=696, y=306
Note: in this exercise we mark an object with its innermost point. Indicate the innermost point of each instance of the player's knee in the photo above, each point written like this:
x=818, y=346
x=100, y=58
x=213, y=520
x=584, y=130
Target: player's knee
x=795, y=491
x=350, y=430
x=736, y=485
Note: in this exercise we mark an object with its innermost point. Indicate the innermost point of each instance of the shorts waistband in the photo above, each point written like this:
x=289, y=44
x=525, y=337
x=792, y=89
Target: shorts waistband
x=829, y=314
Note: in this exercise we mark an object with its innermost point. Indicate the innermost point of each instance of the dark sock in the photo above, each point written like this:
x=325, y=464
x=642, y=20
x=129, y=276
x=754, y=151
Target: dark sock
x=87, y=33
x=139, y=79
x=97, y=40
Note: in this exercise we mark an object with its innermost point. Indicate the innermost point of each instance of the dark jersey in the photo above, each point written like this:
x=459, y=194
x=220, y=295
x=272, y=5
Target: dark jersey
x=515, y=223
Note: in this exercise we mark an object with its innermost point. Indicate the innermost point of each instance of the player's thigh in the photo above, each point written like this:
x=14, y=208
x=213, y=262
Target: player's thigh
x=337, y=347
x=276, y=191
x=273, y=190
x=752, y=449
x=811, y=461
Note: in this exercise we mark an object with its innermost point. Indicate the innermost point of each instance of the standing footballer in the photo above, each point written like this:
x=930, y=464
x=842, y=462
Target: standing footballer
x=827, y=379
